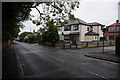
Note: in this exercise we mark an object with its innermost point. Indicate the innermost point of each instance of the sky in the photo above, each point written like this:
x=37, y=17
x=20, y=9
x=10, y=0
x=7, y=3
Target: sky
x=101, y=11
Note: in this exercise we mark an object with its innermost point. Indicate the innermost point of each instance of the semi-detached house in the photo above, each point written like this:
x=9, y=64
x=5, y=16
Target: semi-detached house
x=79, y=30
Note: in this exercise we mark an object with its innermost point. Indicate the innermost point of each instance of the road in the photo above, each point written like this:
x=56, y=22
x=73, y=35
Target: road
x=37, y=61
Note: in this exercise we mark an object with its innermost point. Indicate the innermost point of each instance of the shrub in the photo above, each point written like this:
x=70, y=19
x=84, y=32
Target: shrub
x=31, y=38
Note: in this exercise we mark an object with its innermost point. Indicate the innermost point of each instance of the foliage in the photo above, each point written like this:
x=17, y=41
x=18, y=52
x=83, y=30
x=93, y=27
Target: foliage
x=31, y=38
x=22, y=35
x=25, y=40
x=13, y=14
x=45, y=36
x=38, y=37
x=71, y=16
x=59, y=10
x=51, y=35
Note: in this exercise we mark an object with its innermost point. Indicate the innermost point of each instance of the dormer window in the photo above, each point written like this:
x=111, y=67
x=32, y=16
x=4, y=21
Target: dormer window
x=67, y=28
x=75, y=27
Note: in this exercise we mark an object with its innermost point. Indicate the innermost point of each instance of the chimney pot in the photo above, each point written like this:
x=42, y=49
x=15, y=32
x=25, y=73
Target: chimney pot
x=117, y=21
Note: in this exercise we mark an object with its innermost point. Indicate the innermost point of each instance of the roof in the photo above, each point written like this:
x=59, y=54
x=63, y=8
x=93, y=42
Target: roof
x=91, y=33
x=76, y=21
x=114, y=24
x=95, y=23
x=79, y=21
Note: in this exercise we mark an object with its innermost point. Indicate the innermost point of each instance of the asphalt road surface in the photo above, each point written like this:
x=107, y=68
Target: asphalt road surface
x=36, y=61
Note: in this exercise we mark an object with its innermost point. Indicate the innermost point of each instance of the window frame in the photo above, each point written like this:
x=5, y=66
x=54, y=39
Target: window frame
x=67, y=29
x=113, y=28
x=75, y=27
x=67, y=37
x=88, y=29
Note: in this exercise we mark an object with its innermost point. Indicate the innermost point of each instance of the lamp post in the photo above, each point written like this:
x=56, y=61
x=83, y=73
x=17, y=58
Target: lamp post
x=104, y=29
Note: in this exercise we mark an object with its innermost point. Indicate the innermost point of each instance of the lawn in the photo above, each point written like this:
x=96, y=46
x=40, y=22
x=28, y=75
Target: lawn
x=109, y=51
x=99, y=45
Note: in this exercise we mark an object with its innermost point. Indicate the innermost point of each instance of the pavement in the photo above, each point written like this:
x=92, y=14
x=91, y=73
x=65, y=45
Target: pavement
x=9, y=64
x=108, y=56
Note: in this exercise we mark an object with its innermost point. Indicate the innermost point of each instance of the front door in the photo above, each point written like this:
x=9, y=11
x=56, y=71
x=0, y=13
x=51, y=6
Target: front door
x=74, y=38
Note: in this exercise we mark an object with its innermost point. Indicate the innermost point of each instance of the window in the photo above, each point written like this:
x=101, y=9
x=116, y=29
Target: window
x=66, y=37
x=114, y=28
x=67, y=28
x=87, y=28
x=91, y=28
x=111, y=37
x=75, y=27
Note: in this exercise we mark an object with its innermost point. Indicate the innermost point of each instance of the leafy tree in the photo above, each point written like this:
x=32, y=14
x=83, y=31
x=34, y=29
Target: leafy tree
x=22, y=35
x=51, y=35
x=31, y=38
x=45, y=37
x=71, y=16
x=13, y=14
x=25, y=40
x=38, y=37
x=59, y=10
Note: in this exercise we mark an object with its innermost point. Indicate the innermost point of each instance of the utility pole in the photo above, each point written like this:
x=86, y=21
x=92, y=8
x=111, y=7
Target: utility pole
x=104, y=29
x=103, y=44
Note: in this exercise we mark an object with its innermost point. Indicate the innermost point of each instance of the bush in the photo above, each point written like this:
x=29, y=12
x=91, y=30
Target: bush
x=38, y=37
x=22, y=35
x=25, y=40
x=31, y=38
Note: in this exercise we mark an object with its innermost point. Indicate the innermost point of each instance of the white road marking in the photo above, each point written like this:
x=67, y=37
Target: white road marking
x=21, y=67
x=19, y=63
x=97, y=74
x=55, y=58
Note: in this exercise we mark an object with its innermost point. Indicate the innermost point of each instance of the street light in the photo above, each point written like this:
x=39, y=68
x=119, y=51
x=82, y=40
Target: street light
x=104, y=30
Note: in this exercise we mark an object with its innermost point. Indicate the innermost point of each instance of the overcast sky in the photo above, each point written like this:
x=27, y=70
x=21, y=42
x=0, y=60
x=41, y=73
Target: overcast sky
x=101, y=11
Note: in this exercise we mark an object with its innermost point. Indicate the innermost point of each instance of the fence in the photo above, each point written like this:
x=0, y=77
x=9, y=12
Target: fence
x=88, y=44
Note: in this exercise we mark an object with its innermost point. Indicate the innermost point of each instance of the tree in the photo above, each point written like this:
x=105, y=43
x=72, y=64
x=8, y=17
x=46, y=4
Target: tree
x=71, y=16
x=31, y=38
x=13, y=14
x=51, y=35
x=22, y=35
x=38, y=37
x=59, y=10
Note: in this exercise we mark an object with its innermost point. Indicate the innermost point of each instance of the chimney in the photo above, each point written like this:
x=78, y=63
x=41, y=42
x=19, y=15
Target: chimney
x=117, y=21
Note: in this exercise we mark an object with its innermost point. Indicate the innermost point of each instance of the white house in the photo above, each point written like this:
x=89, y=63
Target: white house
x=79, y=30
